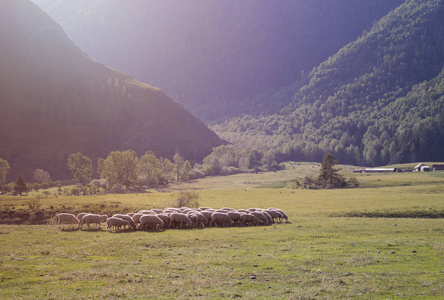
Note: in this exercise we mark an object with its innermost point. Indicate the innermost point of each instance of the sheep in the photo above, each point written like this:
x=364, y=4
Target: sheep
x=277, y=216
x=115, y=223
x=80, y=216
x=157, y=210
x=269, y=218
x=262, y=218
x=147, y=212
x=151, y=221
x=221, y=218
x=66, y=218
x=207, y=214
x=136, y=217
x=249, y=219
x=178, y=219
x=128, y=218
x=203, y=221
x=235, y=217
x=165, y=218
x=194, y=218
x=280, y=211
x=95, y=219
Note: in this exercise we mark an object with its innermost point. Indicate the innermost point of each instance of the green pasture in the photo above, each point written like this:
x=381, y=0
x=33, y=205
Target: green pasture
x=318, y=255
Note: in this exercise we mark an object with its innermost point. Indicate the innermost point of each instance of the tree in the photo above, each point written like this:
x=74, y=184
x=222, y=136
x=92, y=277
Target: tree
x=80, y=167
x=167, y=168
x=20, y=185
x=329, y=176
x=150, y=168
x=186, y=170
x=4, y=169
x=120, y=168
x=178, y=162
x=40, y=176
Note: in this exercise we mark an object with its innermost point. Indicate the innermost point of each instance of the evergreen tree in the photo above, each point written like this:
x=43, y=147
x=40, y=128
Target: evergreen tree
x=329, y=176
x=20, y=185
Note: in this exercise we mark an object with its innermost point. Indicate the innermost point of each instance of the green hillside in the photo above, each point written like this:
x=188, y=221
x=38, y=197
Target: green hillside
x=54, y=101
x=379, y=100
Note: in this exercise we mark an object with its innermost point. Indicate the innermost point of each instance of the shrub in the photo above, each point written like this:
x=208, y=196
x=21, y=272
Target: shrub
x=188, y=199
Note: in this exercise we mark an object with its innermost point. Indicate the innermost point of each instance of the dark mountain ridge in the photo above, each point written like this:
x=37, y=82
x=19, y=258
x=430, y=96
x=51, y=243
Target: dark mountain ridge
x=55, y=101
x=211, y=54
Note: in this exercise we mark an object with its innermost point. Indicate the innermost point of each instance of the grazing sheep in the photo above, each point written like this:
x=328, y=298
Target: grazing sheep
x=262, y=218
x=165, y=218
x=203, y=221
x=94, y=219
x=151, y=222
x=157, y=210
x=269, y=218
x=284, y=216
x=221, y=218
x=136, y=217
x=147, y=212
x=249, y=220
x=177, y=220
x=277, y=216
x=65, y=218
x=115, y=223
x=235, y=217
x=207, y=214
x=128, y=218
x=194, y=218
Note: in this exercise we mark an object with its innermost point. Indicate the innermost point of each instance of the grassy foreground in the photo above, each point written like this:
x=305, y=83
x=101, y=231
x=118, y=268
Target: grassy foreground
x=316, y=256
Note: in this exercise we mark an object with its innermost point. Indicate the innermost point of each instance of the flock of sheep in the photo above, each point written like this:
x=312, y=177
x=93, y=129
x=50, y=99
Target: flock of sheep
x=176, y=218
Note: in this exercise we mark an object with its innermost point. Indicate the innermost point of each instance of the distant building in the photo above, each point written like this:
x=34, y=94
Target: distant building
x=438, y=167
x=418, y=167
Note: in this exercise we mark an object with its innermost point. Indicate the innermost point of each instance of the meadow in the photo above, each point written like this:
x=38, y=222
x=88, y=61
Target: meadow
x=320, y=254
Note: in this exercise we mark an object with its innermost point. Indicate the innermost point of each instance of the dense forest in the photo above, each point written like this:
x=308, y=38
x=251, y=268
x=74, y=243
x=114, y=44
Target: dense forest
x=214, y=56
x=378, y=100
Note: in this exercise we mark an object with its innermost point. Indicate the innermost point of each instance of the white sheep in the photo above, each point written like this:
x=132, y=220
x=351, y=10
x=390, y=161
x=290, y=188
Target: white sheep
x=165, y=218
x=80, y=216
x=115, y=223
x=92, y=219
x=178, y=220
x=249, y=219
x=284, y=216
x=260, y=215
x=66, y=218
x=127, y=218
x=151, y=222
x=235, y=217
x=136, y=218
x=221, y=219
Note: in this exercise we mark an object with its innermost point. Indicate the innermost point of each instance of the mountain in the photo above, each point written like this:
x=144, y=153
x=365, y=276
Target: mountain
x=378, y=100
x=55, y=100
x=209, y=54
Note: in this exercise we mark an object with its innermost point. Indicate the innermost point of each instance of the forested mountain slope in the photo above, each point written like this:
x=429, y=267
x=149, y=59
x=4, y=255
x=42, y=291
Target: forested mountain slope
x=378, y=100
x=54, y=101
x=212, y=54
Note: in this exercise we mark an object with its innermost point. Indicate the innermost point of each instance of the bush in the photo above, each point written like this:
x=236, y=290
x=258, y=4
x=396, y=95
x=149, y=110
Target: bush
x=117, y=189
x=187, y=199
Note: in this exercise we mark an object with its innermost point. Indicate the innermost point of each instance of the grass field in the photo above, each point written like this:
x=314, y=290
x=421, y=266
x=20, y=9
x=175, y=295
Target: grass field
x=316, y=256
